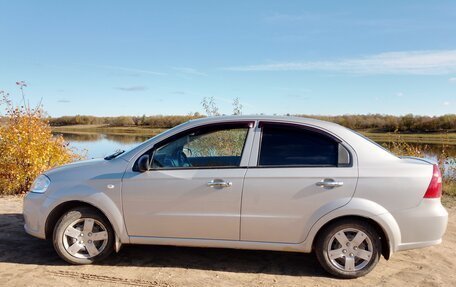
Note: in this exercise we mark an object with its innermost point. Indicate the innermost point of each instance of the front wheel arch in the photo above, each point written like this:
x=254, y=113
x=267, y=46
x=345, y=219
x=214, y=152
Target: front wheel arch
x=383, y=236
x=64, y=207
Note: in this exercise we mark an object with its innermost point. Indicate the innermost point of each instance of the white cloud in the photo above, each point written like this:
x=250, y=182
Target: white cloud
x=399, y=94
x=446, y=103
x=452, y=80
x=189, y=71
x=408, y=62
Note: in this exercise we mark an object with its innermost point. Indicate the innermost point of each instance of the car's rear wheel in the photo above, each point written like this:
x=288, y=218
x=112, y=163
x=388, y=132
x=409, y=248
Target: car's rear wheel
x=348, y=249
x=83, y=236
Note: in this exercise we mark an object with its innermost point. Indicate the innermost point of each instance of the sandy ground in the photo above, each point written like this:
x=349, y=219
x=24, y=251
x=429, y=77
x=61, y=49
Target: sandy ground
x=26, y=261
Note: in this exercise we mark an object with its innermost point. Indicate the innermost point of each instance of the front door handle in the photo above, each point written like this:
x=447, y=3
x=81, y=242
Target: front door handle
x=329, y=183
x=219, y=183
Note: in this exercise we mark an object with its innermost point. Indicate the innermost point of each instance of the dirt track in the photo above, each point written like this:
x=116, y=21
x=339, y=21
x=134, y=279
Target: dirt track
x=25, y=260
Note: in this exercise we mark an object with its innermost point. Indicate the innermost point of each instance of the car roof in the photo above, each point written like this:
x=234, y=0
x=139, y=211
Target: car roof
x=302, y=120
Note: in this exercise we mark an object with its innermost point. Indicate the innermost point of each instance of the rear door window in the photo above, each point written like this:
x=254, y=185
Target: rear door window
x=288, y=145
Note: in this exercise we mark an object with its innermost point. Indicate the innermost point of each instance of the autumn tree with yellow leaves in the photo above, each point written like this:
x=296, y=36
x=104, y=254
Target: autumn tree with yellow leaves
x=27, y=145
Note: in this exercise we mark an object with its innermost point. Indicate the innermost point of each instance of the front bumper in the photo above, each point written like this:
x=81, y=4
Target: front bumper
x=35, y=214
x=423, y=225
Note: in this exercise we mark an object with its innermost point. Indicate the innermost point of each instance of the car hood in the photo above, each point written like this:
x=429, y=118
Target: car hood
x=87, y=169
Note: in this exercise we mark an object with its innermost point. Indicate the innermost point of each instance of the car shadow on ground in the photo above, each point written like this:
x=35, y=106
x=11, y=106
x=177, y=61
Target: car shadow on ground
x=18, y=247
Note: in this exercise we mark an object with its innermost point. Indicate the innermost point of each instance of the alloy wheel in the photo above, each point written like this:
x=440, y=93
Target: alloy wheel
x=85, y=238
x=350, y=249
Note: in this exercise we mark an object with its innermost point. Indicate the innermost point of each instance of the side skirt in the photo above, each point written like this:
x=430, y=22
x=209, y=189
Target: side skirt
x=234, y=244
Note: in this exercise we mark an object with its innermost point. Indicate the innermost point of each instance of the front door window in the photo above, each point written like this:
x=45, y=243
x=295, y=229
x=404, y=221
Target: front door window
x=204, y=148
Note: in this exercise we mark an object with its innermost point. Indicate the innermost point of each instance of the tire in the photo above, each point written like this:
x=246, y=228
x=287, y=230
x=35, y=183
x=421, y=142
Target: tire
x=348, y=248
x=83, y=236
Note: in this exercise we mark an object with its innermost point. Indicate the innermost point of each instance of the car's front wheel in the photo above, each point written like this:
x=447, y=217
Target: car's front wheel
x=348, y=249
x=83, y=236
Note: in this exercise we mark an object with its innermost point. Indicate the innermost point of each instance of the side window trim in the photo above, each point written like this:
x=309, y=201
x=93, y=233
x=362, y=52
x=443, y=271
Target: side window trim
x=341, y=145
x=300, y=126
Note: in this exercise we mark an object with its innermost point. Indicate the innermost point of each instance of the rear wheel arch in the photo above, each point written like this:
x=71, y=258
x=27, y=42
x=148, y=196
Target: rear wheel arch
x=385, y=241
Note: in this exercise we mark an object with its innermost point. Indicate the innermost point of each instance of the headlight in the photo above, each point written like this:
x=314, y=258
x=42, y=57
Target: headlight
x=41, y=184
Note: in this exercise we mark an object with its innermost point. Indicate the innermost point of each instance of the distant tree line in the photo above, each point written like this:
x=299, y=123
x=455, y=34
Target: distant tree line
x=124, y=121
x=372, y=122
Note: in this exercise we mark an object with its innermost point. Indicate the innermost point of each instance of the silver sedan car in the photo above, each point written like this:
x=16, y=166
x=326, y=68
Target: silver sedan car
x=248, y=182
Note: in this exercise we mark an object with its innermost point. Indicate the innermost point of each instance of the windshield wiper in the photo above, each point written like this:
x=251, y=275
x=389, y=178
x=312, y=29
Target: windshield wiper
x=114, y=155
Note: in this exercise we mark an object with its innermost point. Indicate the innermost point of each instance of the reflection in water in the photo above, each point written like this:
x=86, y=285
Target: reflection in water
x=86, y=137
x=129, y=139
x=91, y=137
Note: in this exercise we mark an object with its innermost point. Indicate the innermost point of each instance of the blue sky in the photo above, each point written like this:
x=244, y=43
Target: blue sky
x=112, y=58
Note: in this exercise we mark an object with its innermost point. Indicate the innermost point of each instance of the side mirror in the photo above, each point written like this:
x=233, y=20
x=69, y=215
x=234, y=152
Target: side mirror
x=144, y=163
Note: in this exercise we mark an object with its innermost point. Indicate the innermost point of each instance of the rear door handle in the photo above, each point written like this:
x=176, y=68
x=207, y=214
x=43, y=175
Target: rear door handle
x=329, y=183
x=219, y=183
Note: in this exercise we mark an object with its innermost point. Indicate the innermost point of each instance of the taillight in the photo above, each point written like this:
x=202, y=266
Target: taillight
x=435, y=186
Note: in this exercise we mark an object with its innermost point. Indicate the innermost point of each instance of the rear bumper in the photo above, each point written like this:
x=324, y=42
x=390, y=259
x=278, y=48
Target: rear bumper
x=421, y=226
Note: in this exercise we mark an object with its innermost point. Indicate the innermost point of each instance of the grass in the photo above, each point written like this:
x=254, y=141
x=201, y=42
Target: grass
x=428, y=138
x=449, y=188
x=449, y=201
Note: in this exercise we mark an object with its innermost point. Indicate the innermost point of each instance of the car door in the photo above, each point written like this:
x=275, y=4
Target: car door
x=193, y=189
x=297, y=174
